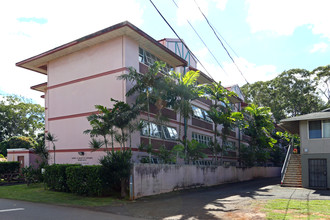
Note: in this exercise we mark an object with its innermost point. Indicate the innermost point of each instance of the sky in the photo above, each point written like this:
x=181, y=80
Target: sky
x=264, y=37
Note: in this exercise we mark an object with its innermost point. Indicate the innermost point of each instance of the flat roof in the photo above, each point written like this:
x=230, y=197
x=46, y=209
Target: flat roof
x=39, y=62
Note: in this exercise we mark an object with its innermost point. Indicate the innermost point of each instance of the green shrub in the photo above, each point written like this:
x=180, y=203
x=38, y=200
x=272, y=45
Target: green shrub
x=55, y=177
x=116, y=170
x=9, y=167
x=85, y=180
x=32, y=175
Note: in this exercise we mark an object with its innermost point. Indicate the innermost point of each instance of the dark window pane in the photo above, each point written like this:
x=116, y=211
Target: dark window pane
x=315, y=130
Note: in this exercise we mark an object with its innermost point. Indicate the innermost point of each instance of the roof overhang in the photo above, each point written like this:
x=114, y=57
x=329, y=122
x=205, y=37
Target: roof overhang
x=39, y=62
x=292, y=124
x=40, y=87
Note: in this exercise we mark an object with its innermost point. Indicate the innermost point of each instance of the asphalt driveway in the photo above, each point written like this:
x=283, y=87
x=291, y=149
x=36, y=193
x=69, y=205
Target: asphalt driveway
x=227, y=201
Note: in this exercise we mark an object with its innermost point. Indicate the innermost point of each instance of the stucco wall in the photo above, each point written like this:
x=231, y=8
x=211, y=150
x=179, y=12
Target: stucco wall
x=305, y=167
x=312, y=146
x=152, y=179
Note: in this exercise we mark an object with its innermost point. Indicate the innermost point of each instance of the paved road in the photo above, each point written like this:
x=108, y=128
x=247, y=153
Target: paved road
x=220, y=202
x=228, y=201
x=16, y=210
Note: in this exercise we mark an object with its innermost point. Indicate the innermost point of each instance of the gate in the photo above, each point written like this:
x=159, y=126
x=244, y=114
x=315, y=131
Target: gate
x=317, y=173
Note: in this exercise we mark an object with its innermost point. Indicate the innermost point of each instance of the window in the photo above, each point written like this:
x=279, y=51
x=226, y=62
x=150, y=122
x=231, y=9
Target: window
x=159, y=131
x=326, y=128
x=315, y=129
x=203, y=139
x=319, y=129
x=170, y=133
x=201, y=114
x=197, y=112
x=149, y=59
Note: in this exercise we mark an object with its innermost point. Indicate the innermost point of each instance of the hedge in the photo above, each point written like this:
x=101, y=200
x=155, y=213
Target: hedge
x=9, y=167
x=85, y=180
x=55, y=177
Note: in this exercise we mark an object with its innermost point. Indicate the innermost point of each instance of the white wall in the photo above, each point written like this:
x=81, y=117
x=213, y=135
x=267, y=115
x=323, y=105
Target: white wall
x=153, y=179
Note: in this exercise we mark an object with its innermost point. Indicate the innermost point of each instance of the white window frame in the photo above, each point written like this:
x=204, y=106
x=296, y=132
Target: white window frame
x=322, y=129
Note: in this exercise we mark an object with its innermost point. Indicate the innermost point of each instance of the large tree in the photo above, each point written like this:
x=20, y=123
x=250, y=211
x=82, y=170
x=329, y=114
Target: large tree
x=322, y=78
x=292, y=93
x=20, y=117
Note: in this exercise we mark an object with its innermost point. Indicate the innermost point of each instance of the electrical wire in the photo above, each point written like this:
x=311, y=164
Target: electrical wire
x=203, y=41
x=180, y=39
x=221, y=41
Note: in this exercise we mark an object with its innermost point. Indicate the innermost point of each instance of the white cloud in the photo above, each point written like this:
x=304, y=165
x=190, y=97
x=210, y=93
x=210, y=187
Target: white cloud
x=283, y=17
x=229, y=75
x=189, y=11
x=66, y=21
x=221, y=4
x=320, y=47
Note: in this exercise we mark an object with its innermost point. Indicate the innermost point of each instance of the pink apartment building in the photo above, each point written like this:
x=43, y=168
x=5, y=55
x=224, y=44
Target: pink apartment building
x=83, y=73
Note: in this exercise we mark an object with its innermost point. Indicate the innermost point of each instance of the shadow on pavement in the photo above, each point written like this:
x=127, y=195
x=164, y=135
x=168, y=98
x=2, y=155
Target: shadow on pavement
x=202, y=203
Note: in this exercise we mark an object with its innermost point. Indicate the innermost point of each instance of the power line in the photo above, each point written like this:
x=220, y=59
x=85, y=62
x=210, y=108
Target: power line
x=220, y=41
x=203, y=41
x=180, y=39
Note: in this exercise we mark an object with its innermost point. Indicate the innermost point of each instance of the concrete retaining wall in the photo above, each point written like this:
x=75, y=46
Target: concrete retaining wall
x=152, y=179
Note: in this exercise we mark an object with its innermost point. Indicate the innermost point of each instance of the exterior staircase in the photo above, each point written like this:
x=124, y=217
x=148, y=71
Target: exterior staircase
x=292, y=174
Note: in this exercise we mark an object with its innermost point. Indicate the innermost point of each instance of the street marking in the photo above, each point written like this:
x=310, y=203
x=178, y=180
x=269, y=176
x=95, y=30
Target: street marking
x=12, y=210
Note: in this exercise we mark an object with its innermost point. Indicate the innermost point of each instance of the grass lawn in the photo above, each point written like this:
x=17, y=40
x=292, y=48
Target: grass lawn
x=37, y=193
x=297, y=209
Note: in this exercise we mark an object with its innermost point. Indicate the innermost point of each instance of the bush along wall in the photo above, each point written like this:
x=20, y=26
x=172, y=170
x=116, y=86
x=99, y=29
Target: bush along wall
x=55, y=177
x=9, y=167
x=85, y=180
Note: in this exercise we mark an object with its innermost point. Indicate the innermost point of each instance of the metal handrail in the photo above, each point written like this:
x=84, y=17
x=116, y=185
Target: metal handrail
x=286, y=162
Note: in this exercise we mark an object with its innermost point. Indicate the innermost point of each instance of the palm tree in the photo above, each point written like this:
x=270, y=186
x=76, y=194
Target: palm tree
x=219, y=108
x=123, y=115
x=143, y=85
x=185, y=89
x=52, y=138
x=102, y=125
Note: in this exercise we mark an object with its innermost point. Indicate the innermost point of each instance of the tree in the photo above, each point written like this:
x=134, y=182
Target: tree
x=17, y=142
x=52, y=138
x=123, y=114
x=260, y=127
x=219, y=110
x=185, y=89
x=118, y=165
x=292, y=93
x=322, y=77
x=20, y=117
x=191, y=151
x=143, y=85
x=41, y=149
x=102, y=124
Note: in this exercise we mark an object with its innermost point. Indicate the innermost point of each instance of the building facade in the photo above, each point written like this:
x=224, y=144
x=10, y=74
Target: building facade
x=314, y=132
x=83, y=73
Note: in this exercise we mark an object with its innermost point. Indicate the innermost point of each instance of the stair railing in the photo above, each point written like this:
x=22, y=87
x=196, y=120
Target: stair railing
x=286, y=162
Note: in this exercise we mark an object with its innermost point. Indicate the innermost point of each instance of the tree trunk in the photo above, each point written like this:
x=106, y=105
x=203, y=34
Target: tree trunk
x=123, y=188
x=54, y=152
x=113, y=149
x=123, y=138
x=148, y=113
x=215, y=142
